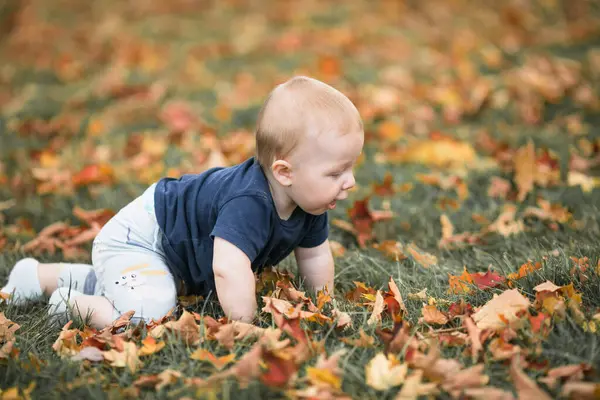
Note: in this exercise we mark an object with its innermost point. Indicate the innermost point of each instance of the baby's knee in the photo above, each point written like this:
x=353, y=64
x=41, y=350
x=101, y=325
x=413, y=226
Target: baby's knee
x=147, y=302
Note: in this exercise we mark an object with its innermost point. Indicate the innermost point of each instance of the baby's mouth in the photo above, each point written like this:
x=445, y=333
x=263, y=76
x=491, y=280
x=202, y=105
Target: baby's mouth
x=331, y=205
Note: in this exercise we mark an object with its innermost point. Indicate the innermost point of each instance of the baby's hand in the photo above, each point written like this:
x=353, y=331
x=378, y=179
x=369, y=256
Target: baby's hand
x=316, y=266
x=234, y=280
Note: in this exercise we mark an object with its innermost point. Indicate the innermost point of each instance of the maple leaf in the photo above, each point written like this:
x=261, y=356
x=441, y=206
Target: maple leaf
x=474, y=337
x=218, y=362
x=236, y=330
x=128, y=357
x=178, y=116
x=150, y=346
x=524, y=165
x=525, y=386
x=326, y=372
x=343, y=318
x=159, y=381
x=290, y=325
x=358, y=292
x=573, y=372
x=184, y=328
x=500, y=310
x=421, y=257
x=377, y=309
x=580, y=390
x=383, y=373
x=66, y=344
x=363, y=340
x=392, y=249
x=432, y=315
x=413, y=388
x=442, y=152
x=488, y=393
x=524, y=270
x=363, y=218
x=7, y=328
x=397, y=299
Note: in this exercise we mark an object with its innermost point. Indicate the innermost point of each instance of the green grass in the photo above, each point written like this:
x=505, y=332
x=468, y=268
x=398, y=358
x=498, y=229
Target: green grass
x=36, y=89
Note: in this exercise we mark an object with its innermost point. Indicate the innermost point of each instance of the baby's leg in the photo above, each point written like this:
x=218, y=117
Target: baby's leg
x=99, y=308
x=29, y=279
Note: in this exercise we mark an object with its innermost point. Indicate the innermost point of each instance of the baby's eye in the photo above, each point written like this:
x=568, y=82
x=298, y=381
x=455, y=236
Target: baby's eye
x=335, y=174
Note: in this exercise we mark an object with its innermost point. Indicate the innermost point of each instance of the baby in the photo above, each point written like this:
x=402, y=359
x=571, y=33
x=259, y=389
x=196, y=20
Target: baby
x=209, y=232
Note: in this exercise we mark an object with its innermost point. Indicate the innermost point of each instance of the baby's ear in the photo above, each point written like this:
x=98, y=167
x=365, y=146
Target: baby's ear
x=282, y=172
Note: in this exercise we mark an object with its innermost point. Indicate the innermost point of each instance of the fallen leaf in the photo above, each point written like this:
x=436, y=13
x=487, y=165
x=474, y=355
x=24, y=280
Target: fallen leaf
x=499, y=309
x=383, y=373
x=184, y=328
x=488, y=393
x=377, y=309
x=150, y=346
x=89, y=353
x=432, y=315
x=581, y=390
x=363, y=340
x=218, y=362
x=343, y=318
x=425, y=259
x=474, y=337
x=413, y=387
x=525, y=386
x=126, y=358
x=397, y=296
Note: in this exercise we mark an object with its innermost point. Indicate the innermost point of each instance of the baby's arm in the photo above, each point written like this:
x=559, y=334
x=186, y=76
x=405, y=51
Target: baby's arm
x=234, y=280
x=316, y=266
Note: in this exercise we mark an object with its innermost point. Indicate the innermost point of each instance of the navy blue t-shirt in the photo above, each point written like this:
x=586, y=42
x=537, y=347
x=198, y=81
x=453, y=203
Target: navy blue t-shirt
x=235, y=204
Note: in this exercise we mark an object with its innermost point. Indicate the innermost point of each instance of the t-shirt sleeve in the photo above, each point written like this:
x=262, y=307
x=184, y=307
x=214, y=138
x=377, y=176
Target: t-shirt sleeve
x=245, y=222
x=318, y=232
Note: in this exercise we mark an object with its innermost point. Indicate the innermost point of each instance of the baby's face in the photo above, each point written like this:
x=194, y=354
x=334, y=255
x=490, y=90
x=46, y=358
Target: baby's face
x=323, y=170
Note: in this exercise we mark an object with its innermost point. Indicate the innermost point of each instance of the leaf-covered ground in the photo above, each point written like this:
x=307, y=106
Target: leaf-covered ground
x=467, y=259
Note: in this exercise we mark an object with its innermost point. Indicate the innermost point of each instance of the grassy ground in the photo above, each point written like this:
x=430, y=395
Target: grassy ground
x=79, y=80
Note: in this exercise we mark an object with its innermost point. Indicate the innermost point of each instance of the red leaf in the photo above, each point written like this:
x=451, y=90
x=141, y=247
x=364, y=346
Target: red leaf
x=96, y=173
x=279, y=370
x=488, y=280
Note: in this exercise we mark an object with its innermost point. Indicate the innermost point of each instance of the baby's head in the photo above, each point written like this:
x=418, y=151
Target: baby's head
x=308, y=137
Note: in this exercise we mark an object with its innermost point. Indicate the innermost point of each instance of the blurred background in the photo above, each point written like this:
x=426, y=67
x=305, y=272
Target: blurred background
x=100, y=98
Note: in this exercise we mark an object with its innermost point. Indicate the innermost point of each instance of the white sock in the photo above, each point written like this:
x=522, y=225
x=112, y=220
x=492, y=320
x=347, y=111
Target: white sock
x=23, y=282
x=60, y=305
x=80, y=277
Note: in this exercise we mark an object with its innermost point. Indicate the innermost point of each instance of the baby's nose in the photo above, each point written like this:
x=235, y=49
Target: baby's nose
x=349, y=184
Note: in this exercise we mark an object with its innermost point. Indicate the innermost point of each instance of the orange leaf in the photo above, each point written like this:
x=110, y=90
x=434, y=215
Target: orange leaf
x=97, y=173
x=218, y=362
x=432, y=315
x=150, y=346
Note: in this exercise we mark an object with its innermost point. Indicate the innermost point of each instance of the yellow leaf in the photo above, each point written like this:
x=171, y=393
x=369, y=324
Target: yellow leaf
x=383, y=373
x=320, y=376
x=525, y=168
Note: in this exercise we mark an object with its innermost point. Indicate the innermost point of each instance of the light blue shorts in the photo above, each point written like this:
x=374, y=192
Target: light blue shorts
x=130, y=264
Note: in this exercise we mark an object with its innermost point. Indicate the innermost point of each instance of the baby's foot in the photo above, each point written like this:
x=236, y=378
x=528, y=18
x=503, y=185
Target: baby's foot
x=23, y=282
x=60, y=308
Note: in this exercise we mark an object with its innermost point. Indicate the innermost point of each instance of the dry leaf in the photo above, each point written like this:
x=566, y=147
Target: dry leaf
x=150, y=346
x=432, y=315
x=363, y=340
x=396, y=292
x=488, y=393
x=343, y=318
x=413, y=387
x=126, y=358
x=500, y=310
x=525, y=386
x=218, y=362
x=525, y=169
x=377, y=309
x=383, y=373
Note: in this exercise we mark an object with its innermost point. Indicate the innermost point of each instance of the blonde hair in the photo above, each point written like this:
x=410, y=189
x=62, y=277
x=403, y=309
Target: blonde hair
x=294, y=110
